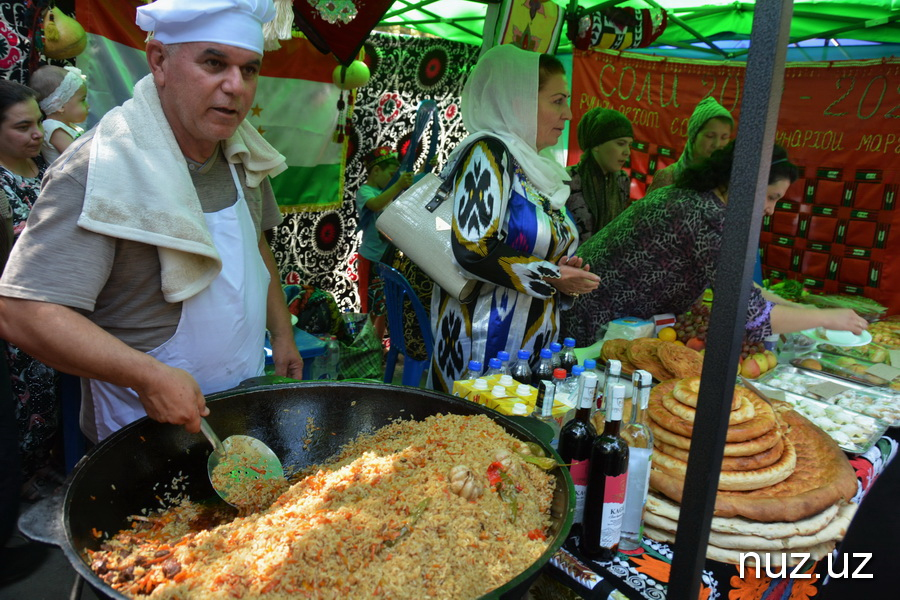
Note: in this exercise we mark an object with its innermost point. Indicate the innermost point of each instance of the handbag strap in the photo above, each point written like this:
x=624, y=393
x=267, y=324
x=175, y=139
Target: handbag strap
x=427, y=111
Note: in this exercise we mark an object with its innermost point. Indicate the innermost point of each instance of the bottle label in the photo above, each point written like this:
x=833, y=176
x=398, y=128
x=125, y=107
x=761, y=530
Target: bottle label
x=580, y=471
x=613, y=510
x=614, y=407
x=588, y=391
x=546, y=396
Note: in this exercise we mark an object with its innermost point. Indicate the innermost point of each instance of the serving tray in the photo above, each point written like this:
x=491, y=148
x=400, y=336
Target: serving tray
x=860, y=398
x=854, y=432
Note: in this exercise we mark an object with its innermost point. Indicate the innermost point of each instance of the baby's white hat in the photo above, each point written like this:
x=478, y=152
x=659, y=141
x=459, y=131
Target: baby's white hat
x=231, y=22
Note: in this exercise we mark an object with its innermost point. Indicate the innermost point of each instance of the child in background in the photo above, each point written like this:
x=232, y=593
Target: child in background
x=372, y=197
x=62, y=96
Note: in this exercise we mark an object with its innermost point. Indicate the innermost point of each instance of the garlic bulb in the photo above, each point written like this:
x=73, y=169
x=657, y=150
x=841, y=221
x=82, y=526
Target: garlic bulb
x=462, y=483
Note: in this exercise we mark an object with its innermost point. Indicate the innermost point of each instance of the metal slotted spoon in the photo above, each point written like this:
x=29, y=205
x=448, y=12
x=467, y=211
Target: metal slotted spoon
x=247, y=458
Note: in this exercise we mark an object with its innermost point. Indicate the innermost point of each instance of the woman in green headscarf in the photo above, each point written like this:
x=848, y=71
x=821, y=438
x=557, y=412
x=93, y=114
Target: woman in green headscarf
x=599, y=186
x=709, y=129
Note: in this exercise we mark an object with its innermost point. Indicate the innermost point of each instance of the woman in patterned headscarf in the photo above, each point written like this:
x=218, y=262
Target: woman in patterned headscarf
x=510, y=228
x=709, y=129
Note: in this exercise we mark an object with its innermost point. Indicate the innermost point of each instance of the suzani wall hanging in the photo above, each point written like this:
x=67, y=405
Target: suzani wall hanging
x=319, y=247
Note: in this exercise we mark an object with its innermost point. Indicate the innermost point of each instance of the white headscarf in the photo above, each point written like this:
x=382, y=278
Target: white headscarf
x=500, y=99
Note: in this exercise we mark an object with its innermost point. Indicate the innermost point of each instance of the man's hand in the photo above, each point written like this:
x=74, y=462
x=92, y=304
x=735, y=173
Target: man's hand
x=173, y=396
x=287, y=359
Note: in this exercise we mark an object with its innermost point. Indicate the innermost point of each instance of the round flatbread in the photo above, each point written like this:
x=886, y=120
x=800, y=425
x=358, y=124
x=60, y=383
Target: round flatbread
x=737, y=480
x=762, y=422
x=663, y=507
x=614, y=349
x=822, y=477
x=687, y=390
x=735, y=557
x=742, y=414
x=681, y=361
x=747, y=448
x=733, y=463
x=642, y=354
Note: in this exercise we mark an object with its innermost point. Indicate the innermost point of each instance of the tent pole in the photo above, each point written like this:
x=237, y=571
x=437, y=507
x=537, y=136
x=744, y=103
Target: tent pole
x=408, y=7
x=689, y=29
x=763, y=86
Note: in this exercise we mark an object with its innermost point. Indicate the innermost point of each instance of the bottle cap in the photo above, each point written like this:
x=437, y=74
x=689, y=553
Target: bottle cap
x=475, y=365
x=524, y=354
x=506, y=380
x=590, y=363
x=523, y=390
x=494, y=363
x=480, y=384
x=519, y=409
x=546, y=353
x=503, y=355
x=499, y=391
x=569, y=342
x=577, y=370
x=559, y=373
x=555, y=346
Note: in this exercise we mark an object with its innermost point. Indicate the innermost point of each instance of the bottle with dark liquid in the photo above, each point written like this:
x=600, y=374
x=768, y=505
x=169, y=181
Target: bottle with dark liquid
x=576, y=440
x=568, y=359
x=556, y=349
x=544, y=369
x=605, y=502
x=520, y=370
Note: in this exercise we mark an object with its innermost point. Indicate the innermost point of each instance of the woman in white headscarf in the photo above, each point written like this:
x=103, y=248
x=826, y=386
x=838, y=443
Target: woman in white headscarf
x=511, y=229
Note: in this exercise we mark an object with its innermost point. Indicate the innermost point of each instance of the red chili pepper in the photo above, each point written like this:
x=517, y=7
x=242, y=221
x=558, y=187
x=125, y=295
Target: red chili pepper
x=536, y=534
x=493, y=473
x=258, y=470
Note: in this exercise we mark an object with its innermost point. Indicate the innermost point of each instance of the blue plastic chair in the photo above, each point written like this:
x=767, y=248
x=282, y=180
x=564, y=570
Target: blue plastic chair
x=396, y=289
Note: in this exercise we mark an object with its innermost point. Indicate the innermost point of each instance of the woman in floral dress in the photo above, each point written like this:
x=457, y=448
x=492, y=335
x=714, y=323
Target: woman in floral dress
x=34, y=385
x=510, y=228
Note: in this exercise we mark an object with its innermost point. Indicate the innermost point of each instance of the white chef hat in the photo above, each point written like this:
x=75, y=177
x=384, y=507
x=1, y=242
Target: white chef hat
x=230, y=22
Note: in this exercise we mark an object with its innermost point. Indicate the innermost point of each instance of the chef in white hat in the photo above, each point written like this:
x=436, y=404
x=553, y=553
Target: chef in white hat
x=161, y=285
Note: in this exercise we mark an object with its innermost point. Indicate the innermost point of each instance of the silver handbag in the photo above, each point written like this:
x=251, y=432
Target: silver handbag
x=419, y=223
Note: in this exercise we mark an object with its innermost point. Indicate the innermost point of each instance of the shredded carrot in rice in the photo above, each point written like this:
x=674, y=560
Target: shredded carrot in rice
x=378, y=520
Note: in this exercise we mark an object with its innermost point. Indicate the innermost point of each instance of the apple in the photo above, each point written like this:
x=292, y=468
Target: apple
x=773, y=360
x=811, y=363
x=695, y=344
x=762, y=361
x=750, y=368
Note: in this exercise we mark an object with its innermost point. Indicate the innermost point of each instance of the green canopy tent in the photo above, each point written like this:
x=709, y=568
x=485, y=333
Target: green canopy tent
x=696, y=28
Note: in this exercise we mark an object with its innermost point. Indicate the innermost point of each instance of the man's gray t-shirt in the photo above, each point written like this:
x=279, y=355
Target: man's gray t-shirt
x=114, y=282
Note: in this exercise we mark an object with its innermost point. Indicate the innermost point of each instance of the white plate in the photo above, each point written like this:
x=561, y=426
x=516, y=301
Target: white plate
x=838, y=338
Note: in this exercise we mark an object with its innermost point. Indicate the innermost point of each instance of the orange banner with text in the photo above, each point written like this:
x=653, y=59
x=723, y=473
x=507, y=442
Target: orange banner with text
x=838, y=226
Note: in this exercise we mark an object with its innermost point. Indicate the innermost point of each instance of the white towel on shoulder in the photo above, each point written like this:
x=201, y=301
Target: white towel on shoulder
x=139, y=188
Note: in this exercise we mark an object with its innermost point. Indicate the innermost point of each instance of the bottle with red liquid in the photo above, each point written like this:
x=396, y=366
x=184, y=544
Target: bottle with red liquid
x=576, y=440
x=605, y=501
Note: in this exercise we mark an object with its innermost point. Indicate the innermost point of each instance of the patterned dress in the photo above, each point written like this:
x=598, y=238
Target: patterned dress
x=34, y=383
x=511, y=249
x=656, y=257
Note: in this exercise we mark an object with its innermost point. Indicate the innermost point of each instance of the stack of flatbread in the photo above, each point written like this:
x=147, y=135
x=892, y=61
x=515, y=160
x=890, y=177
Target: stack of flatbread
x=664, y=360
x=784, y=488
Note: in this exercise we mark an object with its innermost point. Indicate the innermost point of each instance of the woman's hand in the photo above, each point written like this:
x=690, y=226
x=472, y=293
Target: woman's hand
x=575, y=277
x=843, y=319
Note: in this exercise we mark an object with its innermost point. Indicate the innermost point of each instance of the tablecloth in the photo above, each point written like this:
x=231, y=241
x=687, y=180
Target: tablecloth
x=644, y=576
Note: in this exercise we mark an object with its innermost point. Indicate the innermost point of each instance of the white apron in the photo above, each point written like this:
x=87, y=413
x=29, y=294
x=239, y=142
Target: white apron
x=220, y=337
